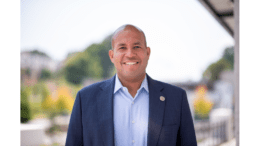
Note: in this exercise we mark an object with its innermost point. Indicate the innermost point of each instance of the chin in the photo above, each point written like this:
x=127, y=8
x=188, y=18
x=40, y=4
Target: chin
x=132, y=75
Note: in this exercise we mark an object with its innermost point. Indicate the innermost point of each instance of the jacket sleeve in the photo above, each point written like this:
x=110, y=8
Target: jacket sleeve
x=186, y=133
x=74, y=135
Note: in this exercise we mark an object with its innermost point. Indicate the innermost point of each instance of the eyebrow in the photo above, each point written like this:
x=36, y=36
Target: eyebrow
x=137, y=43
x=123, y=44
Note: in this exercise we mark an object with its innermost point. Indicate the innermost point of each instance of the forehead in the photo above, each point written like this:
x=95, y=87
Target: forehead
x=128, y=36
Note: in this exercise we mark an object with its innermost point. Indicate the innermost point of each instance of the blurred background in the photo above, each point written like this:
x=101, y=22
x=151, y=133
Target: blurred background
x=64, y=47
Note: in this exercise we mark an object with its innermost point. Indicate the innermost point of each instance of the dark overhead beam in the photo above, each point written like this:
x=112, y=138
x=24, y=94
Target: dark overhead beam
x=215, y=14
x=225, y=14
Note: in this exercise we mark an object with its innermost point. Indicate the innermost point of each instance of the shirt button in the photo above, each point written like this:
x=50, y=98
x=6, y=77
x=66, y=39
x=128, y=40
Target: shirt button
x=133, y=141
x=133, y=121
x=133, y=102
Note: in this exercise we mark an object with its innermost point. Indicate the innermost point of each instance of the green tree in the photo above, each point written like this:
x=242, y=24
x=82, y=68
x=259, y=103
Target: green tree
x=216, y=68
x=95, y=69
x=107, y=65
x=28, y=72
x=75, y=73
x=45, y=74
x=25, y=112
x=36, y=52
x=229, y=56
x=93, y=62
x=213, y=71
x=99, y=53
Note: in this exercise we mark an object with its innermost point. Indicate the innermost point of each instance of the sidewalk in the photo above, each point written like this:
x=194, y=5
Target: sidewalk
x=211, y=141
x=232, y=142
x=59, y=138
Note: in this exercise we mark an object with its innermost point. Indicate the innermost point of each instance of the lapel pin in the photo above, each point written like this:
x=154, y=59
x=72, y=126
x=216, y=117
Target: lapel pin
x=162, y=98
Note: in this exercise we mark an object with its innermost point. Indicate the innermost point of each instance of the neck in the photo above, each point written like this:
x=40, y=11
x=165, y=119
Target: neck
x=132, y=84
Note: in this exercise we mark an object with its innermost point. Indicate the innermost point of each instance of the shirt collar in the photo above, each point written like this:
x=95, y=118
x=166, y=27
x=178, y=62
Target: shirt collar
x=118, y=84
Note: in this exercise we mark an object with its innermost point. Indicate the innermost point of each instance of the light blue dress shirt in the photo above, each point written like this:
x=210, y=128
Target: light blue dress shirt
x=131, y=115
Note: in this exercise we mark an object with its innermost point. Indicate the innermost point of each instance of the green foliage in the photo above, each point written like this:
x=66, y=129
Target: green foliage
x=93, y=62
x=36, y=52
x=28, y=72
x=95, y=68
x=44, y=91
x=45, y=74
x=107, y=65
x=212, y=73
x=25, y=112
x=39, y=88
x=39, y=92
x=75, y=72
x=229, y=56
x=216, y=68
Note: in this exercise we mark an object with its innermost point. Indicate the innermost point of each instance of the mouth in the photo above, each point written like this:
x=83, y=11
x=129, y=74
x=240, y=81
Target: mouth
x=131, y=63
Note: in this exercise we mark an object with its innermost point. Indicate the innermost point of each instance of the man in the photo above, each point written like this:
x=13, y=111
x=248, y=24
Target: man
x=131, y=108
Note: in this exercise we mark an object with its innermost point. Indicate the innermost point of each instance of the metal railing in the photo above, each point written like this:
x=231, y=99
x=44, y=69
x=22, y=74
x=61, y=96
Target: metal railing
x=213, y=133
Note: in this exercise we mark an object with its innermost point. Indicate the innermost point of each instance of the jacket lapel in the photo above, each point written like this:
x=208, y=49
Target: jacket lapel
x=156, y=111
x=105, y=112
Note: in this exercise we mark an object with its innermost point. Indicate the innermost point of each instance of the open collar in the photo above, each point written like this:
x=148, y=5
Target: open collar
x=118, y=84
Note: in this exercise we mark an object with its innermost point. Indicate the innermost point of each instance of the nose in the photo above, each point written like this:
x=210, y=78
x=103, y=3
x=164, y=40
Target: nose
x=130, y=53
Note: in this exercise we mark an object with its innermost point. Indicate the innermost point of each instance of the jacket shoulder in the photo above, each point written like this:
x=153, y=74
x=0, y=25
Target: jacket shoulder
x=168, y=86
x=95, y=86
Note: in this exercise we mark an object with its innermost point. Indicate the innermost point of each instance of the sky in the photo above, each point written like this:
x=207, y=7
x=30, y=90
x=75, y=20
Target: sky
x=183, y=36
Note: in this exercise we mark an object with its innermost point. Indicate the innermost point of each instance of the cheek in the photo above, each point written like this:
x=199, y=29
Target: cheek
x=144, y=58
x=116, y=61
x=117, y=58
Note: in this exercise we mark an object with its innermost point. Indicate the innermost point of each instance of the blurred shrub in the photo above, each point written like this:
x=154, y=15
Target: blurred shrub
x=28, y=72
x=213, y=71
x=39, y=92
x=65, y=101
x=25, y=111
x=59, y=102
x=202, y=104
x=48, y=104
x=45, y=74
x=75, y=72
x=228, y=55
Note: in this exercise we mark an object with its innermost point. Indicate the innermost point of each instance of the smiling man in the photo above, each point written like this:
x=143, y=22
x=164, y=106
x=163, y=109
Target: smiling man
x=130, y=56
x=131, y=108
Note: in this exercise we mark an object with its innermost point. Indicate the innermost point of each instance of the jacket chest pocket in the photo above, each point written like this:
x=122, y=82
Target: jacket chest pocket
x=168, y=135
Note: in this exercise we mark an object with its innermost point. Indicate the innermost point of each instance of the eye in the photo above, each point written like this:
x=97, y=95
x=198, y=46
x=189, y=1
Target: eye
x=122, y=48
x=136, y=46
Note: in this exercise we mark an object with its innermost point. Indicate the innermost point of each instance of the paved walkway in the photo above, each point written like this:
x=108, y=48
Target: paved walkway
x=211, y=141
x=60, y=138
x=232, y=142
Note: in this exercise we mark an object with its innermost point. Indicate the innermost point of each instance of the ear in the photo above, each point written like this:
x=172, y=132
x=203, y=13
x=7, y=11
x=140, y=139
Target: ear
x=148, y=51
x=111, y=55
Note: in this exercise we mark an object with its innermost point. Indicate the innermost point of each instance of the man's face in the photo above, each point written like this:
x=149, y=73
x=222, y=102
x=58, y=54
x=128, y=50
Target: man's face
x=130, y=54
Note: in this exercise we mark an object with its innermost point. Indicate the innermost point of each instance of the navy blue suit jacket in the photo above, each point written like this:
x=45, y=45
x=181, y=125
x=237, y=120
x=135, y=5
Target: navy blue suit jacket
x=170, y=121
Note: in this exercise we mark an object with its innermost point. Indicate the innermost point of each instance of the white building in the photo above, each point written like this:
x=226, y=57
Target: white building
x=37, y=62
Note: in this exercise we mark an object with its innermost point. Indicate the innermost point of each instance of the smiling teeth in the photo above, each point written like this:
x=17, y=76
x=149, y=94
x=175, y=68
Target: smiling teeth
x=131, y=63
